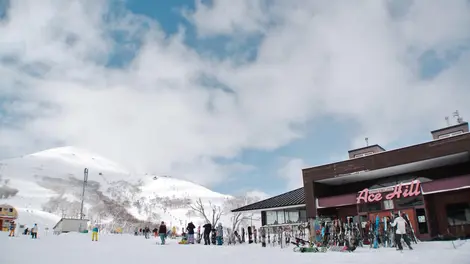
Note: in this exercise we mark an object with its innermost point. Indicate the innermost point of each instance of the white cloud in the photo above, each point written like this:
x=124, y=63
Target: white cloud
x=351, y=60
x=257, y=194
x=291, y=172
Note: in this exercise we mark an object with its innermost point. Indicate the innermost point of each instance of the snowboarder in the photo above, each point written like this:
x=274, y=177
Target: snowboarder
x=207, y=230
x=162, y=232
x=12, y=228
x=190, y=229
x=94, y=233
x=400, y=232
x=34, y=231
x=219, y=234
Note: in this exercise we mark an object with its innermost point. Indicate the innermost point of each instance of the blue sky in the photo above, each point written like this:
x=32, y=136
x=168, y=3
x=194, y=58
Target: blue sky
x=237, y=96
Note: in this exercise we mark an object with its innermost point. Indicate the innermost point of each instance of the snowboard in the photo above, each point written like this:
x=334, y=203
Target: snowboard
x=263, y=237
x=213, y=237
x=376, y=237
x=250, y=235
x=310, y=249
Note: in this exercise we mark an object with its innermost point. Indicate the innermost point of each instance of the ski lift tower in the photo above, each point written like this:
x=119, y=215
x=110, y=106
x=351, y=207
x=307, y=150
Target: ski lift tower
x=85, y=180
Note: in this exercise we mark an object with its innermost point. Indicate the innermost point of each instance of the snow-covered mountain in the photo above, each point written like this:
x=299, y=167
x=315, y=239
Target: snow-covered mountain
x=52, y=180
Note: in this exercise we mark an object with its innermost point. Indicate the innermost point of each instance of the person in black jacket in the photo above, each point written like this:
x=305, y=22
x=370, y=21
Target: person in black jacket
x=207, y=231
x=190, y=229
x=162, y=232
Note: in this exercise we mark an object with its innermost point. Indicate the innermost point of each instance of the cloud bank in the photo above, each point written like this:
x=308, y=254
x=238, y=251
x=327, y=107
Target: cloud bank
x=172, y=109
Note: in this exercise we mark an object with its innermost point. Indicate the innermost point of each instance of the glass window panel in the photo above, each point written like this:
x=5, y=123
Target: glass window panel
x=271, y=217
x=292, y=216
x=458, y=214
x=280, y=217
x=303, y=215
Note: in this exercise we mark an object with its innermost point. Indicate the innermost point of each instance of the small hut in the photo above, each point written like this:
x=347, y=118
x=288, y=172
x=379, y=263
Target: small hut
x=7, y=214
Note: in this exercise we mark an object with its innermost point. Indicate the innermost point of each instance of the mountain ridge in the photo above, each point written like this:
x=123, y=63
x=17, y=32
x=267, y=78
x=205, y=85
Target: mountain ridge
x=52, y=181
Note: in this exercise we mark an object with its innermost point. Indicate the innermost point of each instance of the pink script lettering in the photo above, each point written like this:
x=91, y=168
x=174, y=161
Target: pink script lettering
x=407, y=190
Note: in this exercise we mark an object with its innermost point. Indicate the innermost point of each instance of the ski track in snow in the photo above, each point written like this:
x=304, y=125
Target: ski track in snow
x=78, y=249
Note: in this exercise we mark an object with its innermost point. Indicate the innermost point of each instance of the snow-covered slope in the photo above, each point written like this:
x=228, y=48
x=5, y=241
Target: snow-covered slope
x=52, y=181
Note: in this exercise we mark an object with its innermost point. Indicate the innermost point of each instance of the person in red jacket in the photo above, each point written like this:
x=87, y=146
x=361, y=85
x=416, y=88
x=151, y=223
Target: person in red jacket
x=162, y=232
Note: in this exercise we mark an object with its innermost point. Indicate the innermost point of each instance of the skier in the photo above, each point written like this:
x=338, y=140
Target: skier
x=155, y=232
x=400, y=232
x=34, y=231
x=190, y=229
x=162, y=232
x=207, y=230
x=219, y=234
x=12, y=228
x=94, y=233
x=147, y=232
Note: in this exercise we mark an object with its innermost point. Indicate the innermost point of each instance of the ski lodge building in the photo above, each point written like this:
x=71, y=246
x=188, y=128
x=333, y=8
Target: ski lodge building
x=430, y=182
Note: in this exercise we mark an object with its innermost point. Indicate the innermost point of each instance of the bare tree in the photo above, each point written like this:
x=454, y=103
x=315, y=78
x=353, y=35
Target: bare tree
x=239, y=218
x=213, y=213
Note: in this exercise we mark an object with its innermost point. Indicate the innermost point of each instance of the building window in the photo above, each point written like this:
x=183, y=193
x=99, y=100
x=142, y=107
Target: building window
x=11, y=210
x=271, y=217
x=422, y=222
x=303, y=216
x=281, y=217
x=456, y=133
x=292, y=216
x=409, y=202
x=363, y=154
x=388, y=205
x=370, y=207
x=458, y=214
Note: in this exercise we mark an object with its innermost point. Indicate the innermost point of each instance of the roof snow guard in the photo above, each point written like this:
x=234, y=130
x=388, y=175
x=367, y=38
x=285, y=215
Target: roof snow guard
x=295, y=198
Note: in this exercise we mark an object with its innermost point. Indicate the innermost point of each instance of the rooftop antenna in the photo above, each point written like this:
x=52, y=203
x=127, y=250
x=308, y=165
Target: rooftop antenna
x=367, y=141
x=459, y=118
x=447, y=121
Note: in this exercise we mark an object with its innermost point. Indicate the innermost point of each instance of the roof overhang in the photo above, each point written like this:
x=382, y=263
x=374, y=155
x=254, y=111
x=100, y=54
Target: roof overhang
x=269, y=209
x=397, y=170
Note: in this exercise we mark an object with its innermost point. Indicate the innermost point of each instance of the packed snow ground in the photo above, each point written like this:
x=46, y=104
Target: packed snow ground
x=117, y=249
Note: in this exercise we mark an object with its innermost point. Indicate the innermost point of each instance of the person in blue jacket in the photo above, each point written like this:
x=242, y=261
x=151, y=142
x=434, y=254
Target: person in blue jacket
x=94, y=233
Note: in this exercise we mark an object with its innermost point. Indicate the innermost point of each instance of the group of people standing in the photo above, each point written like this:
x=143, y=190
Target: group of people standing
x=33, y=231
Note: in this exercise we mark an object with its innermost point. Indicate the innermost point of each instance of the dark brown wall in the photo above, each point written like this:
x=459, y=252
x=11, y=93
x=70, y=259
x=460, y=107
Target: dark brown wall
x=429, y=150
x=436, y=207
x=452, y=129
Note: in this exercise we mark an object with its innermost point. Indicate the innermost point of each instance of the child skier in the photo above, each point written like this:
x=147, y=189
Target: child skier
x=94, y=233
